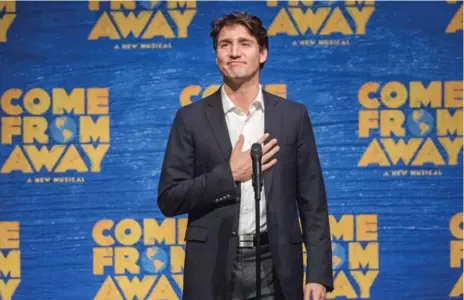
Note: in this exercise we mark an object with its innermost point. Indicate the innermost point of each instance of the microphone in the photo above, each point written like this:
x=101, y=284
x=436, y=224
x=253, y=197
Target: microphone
x=256, y=153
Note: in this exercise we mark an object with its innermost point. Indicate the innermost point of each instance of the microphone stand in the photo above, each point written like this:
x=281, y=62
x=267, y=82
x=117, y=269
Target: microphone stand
x=258, y=246
x=256, y=155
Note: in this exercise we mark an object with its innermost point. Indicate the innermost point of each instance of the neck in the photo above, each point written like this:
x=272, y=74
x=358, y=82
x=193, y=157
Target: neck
x=242, y=94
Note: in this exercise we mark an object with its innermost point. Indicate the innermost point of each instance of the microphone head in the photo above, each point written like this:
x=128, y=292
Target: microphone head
x=256, y=149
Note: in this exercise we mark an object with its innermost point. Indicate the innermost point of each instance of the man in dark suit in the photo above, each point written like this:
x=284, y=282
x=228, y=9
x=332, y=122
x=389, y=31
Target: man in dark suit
x=206, y=177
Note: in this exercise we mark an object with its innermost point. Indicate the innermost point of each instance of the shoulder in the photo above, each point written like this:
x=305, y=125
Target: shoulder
x=197, y=109
x=191, y=108
x=288, y=106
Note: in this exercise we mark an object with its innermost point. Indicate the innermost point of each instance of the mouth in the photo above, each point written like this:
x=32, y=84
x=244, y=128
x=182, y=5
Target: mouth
x=235, y=63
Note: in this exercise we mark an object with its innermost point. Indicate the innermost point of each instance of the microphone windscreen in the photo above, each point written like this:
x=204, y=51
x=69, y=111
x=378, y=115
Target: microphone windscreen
x=256, y=149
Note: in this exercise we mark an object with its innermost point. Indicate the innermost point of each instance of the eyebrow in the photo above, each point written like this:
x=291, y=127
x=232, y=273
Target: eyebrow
x=228, y=40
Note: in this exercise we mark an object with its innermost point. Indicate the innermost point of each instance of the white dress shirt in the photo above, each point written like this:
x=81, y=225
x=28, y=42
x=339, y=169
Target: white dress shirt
x=252, y=128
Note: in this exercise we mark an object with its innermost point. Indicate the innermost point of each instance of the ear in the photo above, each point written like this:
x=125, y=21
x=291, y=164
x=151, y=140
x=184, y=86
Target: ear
x=262, y=56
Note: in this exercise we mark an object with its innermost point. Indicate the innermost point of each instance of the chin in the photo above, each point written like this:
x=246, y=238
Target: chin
x=239, y=76
x=238, y=79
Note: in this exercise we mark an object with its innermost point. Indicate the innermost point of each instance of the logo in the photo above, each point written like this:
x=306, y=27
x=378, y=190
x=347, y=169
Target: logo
x=355, y=255
x=142, y=24
x=141, y=259
x=154, y=260
x=195, y=91
x=456, y=24
x=7, y=16
x=415, y=125
x=10, y=259
x=320, y=23
x=54, y=132
x=457, y=252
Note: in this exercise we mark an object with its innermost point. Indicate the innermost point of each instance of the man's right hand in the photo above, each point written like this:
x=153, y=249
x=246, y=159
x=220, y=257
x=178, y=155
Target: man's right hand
x=240, y=161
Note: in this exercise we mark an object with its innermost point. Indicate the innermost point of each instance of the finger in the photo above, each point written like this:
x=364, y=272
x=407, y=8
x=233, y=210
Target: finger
x=307, y=294
x=269, y=164
x=269, y=145
x=263, y=138
x=270, y=154
x=322, y=297
x=316, y=294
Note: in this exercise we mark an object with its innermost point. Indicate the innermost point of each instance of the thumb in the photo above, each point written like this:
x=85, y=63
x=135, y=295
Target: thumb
x=239, y=143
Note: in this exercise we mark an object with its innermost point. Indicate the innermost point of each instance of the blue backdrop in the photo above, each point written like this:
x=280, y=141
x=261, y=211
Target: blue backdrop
x=88, y=94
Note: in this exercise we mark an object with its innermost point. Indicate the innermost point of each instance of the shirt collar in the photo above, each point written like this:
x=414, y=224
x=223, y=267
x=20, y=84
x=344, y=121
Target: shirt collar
x=228, y=105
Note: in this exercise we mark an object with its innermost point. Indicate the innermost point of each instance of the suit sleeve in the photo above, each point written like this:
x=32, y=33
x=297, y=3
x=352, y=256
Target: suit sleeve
x=312, y=206
x=180, y=191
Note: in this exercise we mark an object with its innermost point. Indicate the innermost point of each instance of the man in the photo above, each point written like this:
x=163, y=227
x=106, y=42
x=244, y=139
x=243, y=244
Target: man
x=204, y=176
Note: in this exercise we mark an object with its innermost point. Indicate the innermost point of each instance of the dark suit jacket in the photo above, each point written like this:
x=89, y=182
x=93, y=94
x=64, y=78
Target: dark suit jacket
x=196, y=179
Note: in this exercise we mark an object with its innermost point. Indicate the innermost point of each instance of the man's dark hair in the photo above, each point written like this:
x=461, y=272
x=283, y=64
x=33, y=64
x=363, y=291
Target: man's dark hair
x=252, y=23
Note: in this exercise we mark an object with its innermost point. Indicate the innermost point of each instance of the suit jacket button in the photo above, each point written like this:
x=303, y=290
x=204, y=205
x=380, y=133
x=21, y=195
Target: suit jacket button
x=234, y=233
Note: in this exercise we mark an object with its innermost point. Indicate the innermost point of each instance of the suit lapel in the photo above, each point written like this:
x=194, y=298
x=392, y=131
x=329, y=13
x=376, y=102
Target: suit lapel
x=272, y=125
x=215, y=116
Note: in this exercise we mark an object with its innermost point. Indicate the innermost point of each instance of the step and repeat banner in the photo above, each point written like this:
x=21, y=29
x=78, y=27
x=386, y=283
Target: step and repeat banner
x=89, y=91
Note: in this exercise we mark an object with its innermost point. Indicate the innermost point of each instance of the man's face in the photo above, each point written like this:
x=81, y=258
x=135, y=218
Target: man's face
x=238, y=55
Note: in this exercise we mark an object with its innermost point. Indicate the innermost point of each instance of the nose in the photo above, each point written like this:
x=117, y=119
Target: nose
x=235, y=51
